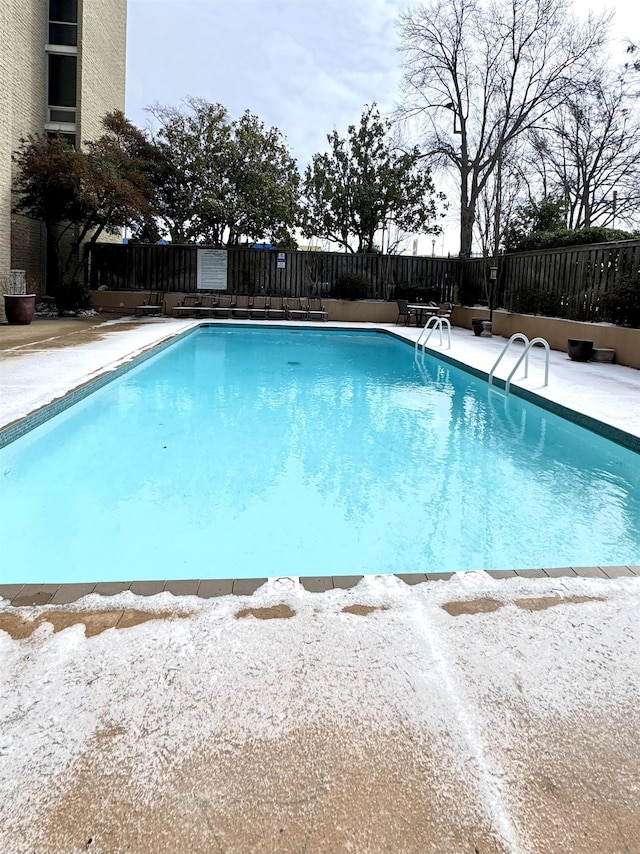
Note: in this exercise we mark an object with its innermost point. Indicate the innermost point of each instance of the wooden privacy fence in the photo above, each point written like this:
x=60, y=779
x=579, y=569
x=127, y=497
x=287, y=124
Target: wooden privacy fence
x=589, y=283
x=263, y=271
x=578, y=282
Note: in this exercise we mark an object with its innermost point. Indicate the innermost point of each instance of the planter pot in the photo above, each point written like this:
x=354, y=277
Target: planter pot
x=19, y=308
x=579, y=350
x=476, y=325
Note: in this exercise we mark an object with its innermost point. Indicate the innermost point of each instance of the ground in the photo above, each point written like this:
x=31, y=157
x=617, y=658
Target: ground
x=473, y=716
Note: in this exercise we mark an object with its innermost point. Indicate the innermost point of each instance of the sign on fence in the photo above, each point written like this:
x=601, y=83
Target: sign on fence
x=212, y=269
x=282, y=263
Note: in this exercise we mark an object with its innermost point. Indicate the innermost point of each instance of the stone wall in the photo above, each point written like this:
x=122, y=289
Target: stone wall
x=23, y=102
x=102, y=63
x=625, y=341
x=23, y=28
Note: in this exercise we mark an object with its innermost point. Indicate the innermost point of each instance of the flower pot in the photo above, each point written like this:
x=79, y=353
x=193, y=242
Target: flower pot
x=579, y=350
x=19, y=308
x=486, y=329
x=476, y=325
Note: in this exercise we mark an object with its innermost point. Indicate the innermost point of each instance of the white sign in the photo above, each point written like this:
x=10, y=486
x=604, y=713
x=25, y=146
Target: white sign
x=281, y=261
x=212, y=269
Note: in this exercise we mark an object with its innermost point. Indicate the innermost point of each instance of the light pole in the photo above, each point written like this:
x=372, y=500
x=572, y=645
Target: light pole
x=488, y=324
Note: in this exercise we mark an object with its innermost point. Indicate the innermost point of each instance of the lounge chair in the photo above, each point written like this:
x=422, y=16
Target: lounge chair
x=258, y=307
x=187, y=306
x=275, y=308
x=316, y=310
x=223, y=308
x=153, y=305
x=298, y=308
x=240, y=308
x=207, y=304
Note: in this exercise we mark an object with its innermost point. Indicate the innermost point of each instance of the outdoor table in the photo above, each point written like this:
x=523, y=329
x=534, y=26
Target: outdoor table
x=424, y=311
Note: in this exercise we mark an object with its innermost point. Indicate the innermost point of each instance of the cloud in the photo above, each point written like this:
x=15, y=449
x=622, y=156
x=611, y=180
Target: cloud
x=301, y=65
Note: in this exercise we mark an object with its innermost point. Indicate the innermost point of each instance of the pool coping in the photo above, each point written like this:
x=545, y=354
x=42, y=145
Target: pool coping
x=28, y=595
x=588, y=422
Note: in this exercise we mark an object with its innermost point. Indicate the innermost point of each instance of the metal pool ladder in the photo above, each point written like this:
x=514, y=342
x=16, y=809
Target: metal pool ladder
x=520, y=336
x=431, y=325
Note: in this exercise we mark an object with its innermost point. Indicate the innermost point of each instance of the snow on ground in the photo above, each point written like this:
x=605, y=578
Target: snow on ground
x=472, y=715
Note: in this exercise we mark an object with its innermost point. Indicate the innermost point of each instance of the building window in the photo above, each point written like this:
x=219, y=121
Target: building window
x=70, y=137
x=63, y=22
x=62, y=116
x=62, y=80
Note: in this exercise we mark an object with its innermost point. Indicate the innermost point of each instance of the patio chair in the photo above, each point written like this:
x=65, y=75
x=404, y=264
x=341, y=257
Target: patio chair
x=445, y=309
x=258, y=307
x=316, y=310
x=153, y=305
x=406, y=312
x=275, y=308
x=187, y=306
x=298, y=309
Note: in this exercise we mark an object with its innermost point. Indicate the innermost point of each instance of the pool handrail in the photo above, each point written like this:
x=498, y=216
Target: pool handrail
x=437, y=324
x=525, y=355
x=517, y=336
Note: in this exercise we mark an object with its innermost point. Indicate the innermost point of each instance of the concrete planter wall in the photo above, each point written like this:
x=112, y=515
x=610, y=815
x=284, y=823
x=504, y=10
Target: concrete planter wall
x=347, y=311
x=625, y=341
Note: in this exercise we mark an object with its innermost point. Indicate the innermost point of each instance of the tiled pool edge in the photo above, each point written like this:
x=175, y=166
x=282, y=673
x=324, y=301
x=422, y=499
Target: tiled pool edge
x=27, y=595
x=22, y=426
x=601, y=428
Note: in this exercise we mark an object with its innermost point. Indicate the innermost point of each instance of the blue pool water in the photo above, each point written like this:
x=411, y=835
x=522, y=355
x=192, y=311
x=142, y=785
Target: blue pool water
x=258, y=452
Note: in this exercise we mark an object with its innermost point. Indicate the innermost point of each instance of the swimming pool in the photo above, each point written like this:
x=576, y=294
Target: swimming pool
x=243, y=452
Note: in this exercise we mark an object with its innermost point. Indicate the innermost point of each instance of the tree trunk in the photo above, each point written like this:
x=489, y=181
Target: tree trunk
x=52, y=274
x=467, y=219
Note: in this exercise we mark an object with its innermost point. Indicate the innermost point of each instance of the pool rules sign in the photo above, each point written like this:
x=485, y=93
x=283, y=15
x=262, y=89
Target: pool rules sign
x=212, y=269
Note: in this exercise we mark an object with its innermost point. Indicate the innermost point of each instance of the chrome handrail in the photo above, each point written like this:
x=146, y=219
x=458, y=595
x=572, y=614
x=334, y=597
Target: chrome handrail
x=517, y=336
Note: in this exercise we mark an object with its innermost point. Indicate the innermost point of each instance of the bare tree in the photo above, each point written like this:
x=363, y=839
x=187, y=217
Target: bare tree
x=479, y=73
x=590, y=151
x=497, y=201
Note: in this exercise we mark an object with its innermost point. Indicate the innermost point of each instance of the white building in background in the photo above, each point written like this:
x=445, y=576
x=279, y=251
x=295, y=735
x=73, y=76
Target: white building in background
x=62, y=67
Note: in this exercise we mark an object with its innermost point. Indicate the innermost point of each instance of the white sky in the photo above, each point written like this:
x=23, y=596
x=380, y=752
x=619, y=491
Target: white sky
x=305, y=66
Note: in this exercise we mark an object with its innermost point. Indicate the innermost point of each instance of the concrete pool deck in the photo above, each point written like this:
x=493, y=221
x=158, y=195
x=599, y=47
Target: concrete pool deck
x=467, y=716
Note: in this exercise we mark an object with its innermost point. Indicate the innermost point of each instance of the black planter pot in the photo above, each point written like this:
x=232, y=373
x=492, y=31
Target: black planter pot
x=19, y=308
x=476, y=325
x=579, y=350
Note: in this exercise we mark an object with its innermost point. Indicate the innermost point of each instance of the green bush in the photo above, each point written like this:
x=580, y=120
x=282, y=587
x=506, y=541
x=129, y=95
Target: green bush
x=570, y=237
x=71, y=296
x=533, y=301
x=621, y=303
x=471, y=293
x=351, y=286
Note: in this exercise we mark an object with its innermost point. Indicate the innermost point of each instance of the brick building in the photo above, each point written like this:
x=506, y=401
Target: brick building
x=62, y=67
